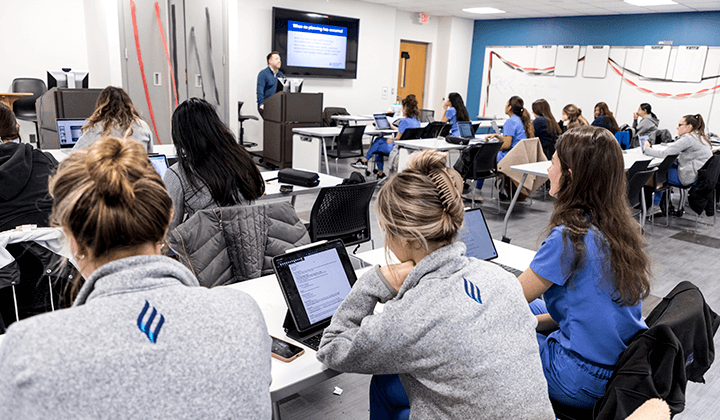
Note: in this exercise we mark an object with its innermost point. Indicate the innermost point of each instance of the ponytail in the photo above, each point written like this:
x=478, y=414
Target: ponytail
x=698, y=124
x=518, y=108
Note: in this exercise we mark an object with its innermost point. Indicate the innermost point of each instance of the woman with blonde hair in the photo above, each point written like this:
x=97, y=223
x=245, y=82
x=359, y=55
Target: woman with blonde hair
x=115, y=116
x=455, y=339
x=592, y=269
x=142, y=339
x=571, y=118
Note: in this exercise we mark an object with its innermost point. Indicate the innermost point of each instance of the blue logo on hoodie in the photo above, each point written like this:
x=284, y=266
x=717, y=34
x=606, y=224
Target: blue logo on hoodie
x=145, y=326
x=472, y=291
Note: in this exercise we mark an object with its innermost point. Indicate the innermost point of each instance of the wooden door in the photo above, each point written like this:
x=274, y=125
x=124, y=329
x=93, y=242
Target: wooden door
x=411, y=70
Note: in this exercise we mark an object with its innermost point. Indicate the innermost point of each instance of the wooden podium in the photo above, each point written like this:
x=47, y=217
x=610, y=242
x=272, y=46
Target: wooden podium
x=283, y=112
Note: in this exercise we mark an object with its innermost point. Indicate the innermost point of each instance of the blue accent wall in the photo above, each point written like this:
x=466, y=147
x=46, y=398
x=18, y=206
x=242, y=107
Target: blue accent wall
x=696, y=28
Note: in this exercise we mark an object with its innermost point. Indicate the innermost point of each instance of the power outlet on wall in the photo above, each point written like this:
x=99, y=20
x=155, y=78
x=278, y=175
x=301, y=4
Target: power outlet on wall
x=384, y=92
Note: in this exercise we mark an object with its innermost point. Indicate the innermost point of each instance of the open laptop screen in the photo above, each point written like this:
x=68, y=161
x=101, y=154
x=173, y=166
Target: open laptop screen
x=314, y=281
x=476, y=236
x=465, y=129
x=69, y=131
x=381, y=122
x=160, y=163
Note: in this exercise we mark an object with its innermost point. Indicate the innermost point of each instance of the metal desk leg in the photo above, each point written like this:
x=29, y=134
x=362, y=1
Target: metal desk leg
x=512, y=205
x=327, y=165
x=292, y=200
x=276, y=410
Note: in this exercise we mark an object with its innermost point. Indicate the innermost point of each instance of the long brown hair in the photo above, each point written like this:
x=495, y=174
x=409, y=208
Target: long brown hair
x=113, y=109
x=8, y=124
x=461, y=113
x=698, y=124
x=517, y=106
x=542, y=109
x=592, y=195
x=410, y=107
x=574, y=114
x=420, y=204
x=605, y=112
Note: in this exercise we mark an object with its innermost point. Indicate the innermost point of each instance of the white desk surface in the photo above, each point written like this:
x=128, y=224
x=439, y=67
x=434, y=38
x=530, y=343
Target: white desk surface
x=436, y=143
x=272, y=188
x=488, y=123
x=331, y=132
x=164, y=149
x=353, y=117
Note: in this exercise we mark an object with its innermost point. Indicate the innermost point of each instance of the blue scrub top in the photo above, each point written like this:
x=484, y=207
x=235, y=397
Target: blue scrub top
x=451, y=115
x=408, y=123
x=591, y=324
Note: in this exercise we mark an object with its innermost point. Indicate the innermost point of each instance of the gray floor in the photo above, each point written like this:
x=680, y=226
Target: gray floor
x=678, y=254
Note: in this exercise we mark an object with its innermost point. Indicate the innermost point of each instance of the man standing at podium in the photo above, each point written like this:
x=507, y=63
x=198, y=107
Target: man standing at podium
x=267, y=79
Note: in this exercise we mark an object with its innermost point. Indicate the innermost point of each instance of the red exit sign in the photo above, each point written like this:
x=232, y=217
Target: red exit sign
x=424, y=18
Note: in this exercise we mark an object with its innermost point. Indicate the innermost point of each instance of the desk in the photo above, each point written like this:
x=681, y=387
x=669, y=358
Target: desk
x=346, y=119
x=405, y=148
x=272, y=188
x=540, y=169
x=9, y=98
x=308, y=140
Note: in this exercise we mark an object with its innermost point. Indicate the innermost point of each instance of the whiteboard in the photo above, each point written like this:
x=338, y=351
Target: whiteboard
x=596, y=57
x=567, y=60
x=690, y=63
x=545, y=56
x=622, y=98
x=655, y=61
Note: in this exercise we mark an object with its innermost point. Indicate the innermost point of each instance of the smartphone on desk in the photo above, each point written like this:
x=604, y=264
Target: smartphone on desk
x=284, y=351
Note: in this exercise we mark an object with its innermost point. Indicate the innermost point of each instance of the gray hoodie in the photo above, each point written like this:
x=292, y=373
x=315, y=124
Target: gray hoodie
x=692, y=155
x=646, y=125
x=459, y=333
x=142, y=340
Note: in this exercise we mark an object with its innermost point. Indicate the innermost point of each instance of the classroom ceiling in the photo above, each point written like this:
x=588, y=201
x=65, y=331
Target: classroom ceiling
x=543, y=8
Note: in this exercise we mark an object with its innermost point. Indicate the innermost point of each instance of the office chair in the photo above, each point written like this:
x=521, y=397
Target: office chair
x=479, y=161
x=433, y=130
x=412, y=133
x=348, y=143
x=24, y=109
x=241, y=120
x=635, y=191
x=640, y=165
x=702, y=193
x=328, y=114
x=343, y=212
x=661, y=185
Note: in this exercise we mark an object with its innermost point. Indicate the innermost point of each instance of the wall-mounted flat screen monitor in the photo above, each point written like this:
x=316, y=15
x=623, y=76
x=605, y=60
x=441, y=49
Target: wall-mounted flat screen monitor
x=67, y=78
x=315, y=45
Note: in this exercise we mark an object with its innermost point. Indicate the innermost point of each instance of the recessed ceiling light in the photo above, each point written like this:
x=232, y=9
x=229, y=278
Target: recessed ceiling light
x=483, y=10
x=650, y=2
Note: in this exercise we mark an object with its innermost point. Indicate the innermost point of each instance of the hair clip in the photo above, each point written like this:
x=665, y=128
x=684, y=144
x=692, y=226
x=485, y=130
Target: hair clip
x=445, y=182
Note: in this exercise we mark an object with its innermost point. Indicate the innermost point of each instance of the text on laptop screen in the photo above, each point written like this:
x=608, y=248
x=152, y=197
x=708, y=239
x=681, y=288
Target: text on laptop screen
x=69, y=131
x=465, y=129
x=316, y=277
x=476, y=236
x=160, y=164
x=381, y=122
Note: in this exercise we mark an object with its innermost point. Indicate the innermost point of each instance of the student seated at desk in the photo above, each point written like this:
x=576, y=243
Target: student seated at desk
x=592, y=269
x=455, y=338
x=693, y=149
x=604, y=118
x=571, y=118
x=142, y=339
x=212, y=170
x=647, y=126
x=24, y=173
x=454, y=111
x=115, y=116
x=518, y=127
x=545, y=126
x=411, y=119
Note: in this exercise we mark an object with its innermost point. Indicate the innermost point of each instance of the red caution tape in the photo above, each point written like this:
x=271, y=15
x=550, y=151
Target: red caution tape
x=662, y=94
x=167, y=52
x=142, y=68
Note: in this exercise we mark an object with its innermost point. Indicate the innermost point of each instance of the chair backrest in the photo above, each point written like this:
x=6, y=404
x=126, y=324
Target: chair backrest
x=342, y=212
x=412, y=133
x=475, y=127
x=329, y=112
x=640, y=165
x=636, y=184
x=445, y=130
x=661, y=176
x=350, y=140
x=485, y=161
x=433, y=129
x=25, y=108
x=427, y=115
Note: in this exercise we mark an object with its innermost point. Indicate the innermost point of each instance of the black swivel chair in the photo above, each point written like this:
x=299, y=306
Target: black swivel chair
x=241, y=120
x=348, y=143
x=24, y=109
x=343, y=212
x=479, y=161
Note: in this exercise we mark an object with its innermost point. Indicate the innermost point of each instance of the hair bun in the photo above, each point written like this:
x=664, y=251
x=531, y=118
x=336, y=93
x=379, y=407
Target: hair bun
x=110, y=166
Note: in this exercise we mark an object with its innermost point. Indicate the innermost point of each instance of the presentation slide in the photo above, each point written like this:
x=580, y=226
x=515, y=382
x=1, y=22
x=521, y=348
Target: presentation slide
x=315, y=45
x=322, y=284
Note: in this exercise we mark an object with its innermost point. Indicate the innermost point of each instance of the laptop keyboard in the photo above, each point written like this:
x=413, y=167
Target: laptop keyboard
x=313, y=342
x=514, y=271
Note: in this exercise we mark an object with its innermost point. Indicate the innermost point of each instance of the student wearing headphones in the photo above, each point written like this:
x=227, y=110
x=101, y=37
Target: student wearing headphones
x=455, y=338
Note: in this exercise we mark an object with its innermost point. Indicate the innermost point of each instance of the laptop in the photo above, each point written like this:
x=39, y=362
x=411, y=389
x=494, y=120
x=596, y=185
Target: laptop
x=476, y=236
x=314, y=281
x=465, y=132
x=160, y=163
x=69, y=131
x=495, y=127
x=381, y=122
